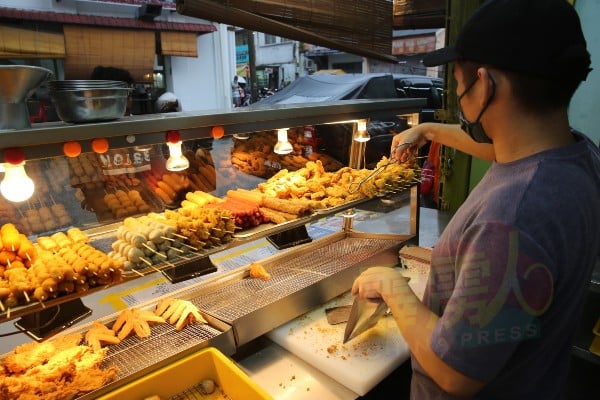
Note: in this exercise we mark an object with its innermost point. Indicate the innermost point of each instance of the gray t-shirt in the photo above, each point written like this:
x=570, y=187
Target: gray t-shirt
x=509, y=274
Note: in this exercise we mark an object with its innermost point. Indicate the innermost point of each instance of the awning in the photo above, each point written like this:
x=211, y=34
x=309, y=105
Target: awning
x=99, y=20
x=25, y=43
x=353, y=26
x=182, y=44
x=88, y=47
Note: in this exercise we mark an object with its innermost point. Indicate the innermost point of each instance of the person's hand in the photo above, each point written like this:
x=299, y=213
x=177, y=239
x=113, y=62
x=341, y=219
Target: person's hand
x=379, y=282
x=406, y=143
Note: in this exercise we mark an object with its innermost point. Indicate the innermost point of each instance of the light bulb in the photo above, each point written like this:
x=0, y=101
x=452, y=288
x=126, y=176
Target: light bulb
x=283, y=146
x=176, y=161
x=16, y=185
x=361, y=134
x=241, y=136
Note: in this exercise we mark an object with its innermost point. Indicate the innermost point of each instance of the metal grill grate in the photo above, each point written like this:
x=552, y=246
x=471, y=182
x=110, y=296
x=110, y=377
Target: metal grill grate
x=247, y=295
x=133, y=354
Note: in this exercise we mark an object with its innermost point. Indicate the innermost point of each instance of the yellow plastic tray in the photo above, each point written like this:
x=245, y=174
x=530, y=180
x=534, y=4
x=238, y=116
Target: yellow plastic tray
x=172, y=379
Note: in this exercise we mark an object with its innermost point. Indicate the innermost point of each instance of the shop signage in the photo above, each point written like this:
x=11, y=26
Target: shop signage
x=413, y=45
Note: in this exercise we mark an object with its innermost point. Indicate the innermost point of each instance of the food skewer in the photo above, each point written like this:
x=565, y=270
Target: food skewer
x=154, y=251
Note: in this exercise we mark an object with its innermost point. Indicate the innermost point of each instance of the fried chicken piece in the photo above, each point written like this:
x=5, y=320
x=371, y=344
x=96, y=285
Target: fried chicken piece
x=179, y=312
x=100, y=334
x=69, y=372
x=136, y=320
x=28, y=355
x=258, y=271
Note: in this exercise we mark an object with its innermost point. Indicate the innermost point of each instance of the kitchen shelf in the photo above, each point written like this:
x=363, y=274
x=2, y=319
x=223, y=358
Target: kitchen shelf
x=46, y=139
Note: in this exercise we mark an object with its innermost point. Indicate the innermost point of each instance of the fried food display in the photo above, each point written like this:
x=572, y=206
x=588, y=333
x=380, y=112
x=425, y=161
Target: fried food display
x=328, y=189
x=137, y=321
x=59, y=369
x=180, y=313
x=203, y=226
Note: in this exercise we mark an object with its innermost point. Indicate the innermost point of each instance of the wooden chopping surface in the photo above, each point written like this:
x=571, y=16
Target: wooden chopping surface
x=359, y=364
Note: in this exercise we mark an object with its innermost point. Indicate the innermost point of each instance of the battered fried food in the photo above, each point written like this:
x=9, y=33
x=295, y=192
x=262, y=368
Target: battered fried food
x=179, y=312
x=100, y=334
x=258, y=271
x=135, y=320
x=59, y=369
x=27, y=356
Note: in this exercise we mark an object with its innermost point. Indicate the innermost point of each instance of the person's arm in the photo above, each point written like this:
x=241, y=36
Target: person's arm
x=416, y=323
x=447, y=134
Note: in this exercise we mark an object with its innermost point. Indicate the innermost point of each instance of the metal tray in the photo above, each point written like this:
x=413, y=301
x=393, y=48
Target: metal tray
x=135, y=357
x=301, y=279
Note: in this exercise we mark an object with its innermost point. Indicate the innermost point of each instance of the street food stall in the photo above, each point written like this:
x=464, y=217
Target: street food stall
x=148, y=239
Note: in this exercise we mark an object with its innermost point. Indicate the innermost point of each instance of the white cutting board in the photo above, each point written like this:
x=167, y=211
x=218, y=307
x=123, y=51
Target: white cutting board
x=360, y=364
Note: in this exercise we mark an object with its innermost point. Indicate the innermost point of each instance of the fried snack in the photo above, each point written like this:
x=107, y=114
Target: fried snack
x=54, y=370
x=100, y=334
x=135, y=320
x=258, y=271
x=291, y=206
x=179, y=312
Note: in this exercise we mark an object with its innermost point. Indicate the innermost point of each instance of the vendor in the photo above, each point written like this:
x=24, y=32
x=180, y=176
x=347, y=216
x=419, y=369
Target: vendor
x=509, y=273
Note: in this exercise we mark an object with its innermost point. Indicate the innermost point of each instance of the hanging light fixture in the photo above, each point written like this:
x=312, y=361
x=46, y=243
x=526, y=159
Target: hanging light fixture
x=16, y=185
x=241, y=136
x=176, y=160
x=361, y=134
x=283, y=145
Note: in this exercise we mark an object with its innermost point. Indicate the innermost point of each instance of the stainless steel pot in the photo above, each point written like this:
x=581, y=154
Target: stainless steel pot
x=17, y=84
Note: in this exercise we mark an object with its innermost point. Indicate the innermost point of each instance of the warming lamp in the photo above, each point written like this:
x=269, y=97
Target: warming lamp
x=242, y=136
x=176, y=160
x=361, y=134
x=283, y=146
x=16, y=185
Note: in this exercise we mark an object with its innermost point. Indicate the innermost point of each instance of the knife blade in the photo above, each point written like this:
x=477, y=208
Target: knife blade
x=361, y=318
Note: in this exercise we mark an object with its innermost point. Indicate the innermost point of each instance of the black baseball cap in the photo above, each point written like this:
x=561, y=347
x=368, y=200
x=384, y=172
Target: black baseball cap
x=538, y=37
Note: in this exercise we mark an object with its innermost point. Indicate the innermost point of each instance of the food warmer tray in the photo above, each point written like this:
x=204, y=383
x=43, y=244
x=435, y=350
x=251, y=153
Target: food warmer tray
x=135, y=357
x=301, y=279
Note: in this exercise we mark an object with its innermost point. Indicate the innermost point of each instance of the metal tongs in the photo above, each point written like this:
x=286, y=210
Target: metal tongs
x=355, y=186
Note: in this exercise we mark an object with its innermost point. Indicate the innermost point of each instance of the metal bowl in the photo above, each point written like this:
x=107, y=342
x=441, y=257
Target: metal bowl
x=90, y=105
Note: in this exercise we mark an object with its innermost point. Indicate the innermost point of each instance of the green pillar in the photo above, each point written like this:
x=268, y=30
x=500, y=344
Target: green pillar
x=455, y=165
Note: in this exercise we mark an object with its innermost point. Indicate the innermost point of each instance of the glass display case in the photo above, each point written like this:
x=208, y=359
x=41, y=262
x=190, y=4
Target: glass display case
x=129, y=193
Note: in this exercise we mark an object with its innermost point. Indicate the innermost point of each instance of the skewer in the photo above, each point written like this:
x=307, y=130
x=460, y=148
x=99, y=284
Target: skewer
x=8, y=313
x=137, y=272
x=179, y=236
x=147, y=262
x=2, y=307
x=176, y=249
x=26, y=296
x=42, y=304
x=154, y=268
x=154, y=251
